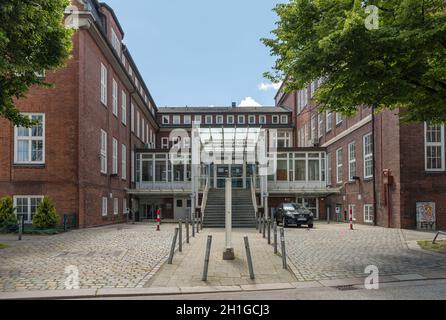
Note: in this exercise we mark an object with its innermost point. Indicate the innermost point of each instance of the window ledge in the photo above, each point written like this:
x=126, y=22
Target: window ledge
x=29, y=165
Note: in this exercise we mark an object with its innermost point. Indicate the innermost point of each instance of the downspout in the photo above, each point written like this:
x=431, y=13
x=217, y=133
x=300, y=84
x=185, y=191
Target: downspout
x=129, y=153
x=375, y=223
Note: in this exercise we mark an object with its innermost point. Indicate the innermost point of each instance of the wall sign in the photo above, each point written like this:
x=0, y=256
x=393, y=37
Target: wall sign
x=426, y=216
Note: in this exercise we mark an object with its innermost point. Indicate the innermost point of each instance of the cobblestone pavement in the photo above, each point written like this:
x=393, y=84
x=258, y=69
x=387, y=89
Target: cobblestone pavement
x=121, y=256
x=335, y=252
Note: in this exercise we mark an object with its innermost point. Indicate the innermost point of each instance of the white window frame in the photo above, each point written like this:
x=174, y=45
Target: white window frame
x=138, y=124
x=132, y=166
x=123, y=108
x=209, y=119
x=115, y=206
x=143, y=127
x=275, y=119
x=28, y=197
x=176, y=119
x=230, y=119
x=440, y=144
x=241, y=119
x=367, y=156
x=104, y=209
x=219, y=119
x=313, y=134
x=284, y=119
x=115, y=156
x=103, y=153
x=132, y=117
x=339, y=118
x=320, y=125
x=339, y=166
x=351, y=160
x=187, y=119
x=165, y=119
x=251, y=119
x=353, y=208
x=104, y=80
x=115, y=98
x=165, y=143
x=262, y=119
x=115, y=41
x=29, y=138
x=147, y=133
x=328, y=121
x=124, y=162
x=198, y=118
x=329, y=169
x=369, y=214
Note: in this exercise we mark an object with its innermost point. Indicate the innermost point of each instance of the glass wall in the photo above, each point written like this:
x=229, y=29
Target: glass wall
x=299, y=167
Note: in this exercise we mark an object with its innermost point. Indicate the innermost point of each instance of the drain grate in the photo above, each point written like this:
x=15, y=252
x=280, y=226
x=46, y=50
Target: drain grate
x=346, y=288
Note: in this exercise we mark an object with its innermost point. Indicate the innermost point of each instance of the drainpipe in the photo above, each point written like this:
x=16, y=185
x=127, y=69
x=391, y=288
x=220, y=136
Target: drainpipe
x=375, y=212
x=129, y=153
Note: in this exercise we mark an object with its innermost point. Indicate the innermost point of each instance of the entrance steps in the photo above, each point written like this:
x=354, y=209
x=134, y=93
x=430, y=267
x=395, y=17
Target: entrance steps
x=243, y=214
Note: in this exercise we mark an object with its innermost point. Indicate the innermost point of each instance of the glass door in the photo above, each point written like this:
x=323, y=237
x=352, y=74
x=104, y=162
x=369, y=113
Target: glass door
x=222, y=172
x=237, y=176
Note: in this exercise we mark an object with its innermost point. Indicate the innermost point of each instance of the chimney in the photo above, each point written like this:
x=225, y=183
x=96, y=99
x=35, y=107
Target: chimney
x=234, y=104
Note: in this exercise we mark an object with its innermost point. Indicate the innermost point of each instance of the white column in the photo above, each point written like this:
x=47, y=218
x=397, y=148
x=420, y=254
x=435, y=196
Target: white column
x=228, y=254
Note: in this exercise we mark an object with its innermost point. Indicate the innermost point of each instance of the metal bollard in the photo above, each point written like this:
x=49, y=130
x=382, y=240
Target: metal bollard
x=269, y=231
x=180, y=242
x=264, y=228
x=206, y=259
x=282, y=242
x=249, y=259
x=275, y=236
x=20, y=228
x=257, y=223
x=198, y=225
x=260, y=225
x=172, y=248
x=187, y=229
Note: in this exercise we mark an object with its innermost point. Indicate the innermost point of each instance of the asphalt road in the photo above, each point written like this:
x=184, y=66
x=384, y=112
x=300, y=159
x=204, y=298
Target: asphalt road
x=408, y=290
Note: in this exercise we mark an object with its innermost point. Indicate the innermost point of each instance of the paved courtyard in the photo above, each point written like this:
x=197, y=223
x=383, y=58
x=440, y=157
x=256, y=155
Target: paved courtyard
x=334, y=252
x=122, y=256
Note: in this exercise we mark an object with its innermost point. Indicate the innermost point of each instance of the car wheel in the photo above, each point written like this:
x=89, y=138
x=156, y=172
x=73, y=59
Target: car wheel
x=310, y=226
x=298, y=226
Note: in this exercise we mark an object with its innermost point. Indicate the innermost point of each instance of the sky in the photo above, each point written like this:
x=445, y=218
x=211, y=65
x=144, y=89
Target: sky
x=201, y=52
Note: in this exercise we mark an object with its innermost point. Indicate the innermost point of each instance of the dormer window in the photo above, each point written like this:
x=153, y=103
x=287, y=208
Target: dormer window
x=284, y=119
x=262, y=119
x=166, y=119
x=241, y=119
x=275, y=119
x=230, y=119
x=219, y=119
x=252, y=119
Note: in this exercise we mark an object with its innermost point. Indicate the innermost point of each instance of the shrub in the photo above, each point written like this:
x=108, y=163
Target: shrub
x=8, y=219
x=46, y=215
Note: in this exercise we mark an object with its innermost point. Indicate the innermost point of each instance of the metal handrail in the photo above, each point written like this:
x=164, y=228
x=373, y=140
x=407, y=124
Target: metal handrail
x=253, y=196
x=438, y=233
x=205, y=197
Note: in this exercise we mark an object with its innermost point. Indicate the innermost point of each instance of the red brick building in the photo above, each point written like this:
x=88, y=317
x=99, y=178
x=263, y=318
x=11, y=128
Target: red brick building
x=99, y=112
x=382, y=167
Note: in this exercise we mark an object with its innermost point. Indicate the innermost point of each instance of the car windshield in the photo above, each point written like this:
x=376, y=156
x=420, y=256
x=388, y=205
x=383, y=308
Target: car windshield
x=292, y=206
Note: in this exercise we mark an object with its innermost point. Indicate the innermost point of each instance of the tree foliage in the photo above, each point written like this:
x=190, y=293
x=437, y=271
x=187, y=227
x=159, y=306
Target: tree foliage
x=401, y=64
x=8, y=218
x=33, y=39
x=46, y=215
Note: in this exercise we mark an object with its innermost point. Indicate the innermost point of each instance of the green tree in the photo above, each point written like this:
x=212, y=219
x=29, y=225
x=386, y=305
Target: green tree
x=399, y=64
x=8, y=218
x=46, y=215
x=33, y=39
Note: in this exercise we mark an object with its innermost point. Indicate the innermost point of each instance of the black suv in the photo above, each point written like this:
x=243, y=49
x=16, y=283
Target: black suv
x=293, y=213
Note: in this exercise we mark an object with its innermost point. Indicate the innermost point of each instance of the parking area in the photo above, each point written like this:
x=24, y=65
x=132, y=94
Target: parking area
x=122, y=256
x=332, y=251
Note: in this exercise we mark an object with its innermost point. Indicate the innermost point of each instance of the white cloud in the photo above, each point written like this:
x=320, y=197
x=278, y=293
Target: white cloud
x=269, y=86
x=249, y=102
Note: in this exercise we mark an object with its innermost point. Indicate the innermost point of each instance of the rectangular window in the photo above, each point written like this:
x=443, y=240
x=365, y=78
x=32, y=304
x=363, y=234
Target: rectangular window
x=209, y=120
x=252, y=119
x=197, y=118
x=124, y=108
x=284, y=119
x=124, y=206
x=176, y=119
x=104, y=206
x=115, y=206
x=313, y=128
x=368, y=156
x=164, y=143
x=321, y=125
x=187, y=119
x=230, y=119
x=351, y=161
x=26, y=206
x=166, y=119
x=115, y=98
x=29, y=143
x=338, y=118
x=138, y=124
x=115, y=42
x=434, y=147
x=219, y=119
x=241, y=119
x=115, y=157
x=132, y=165
x=132, y=117
x=147, y=134
x=339, y=171
x=124, y=162
x=143, y=129
x=275, y=119
x=328, y=121
x=103, y=84
x=368, y=213
x=262, y=119
x=352, y=208
x=312, y=88
x=103, y=152
x=329, y=170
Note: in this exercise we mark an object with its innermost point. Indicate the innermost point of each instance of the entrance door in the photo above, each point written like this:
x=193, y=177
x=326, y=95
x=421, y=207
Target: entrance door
x=237, y=176
x=222, y=172
x=235, y=172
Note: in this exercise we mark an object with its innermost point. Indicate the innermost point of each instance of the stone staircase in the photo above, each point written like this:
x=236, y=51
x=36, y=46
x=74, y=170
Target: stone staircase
x=243, y=215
